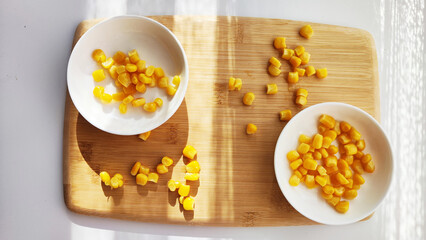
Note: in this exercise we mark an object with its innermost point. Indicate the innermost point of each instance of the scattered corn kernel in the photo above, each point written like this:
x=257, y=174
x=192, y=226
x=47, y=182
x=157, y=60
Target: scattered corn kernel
x=331, y=161
x=369, y=167
x=279, y=43
x=305, y=57
x=293, y=77
x=162, y=169
x=273, y=70
x=285, y=115
x=271, y=88
x=119, y=57
x=122, y=108
x=333, y=201
x=294, y=180
x=171, y=184
x=360, y=144
x=159, y=102
x=301, y=101
x=306, y=31
x=317, y=142
x=189, y=152
x=342, y=206
x=98, y=75
x=274, y=61
x=131, y=67
x=310, y=181
x=287, y=54
x=248, y=98
x=231, y=84
x=192, y=176
x=310, y=70
x=300, y=71
x=343, y=139
x=159, y=72
x=98, y=55
x=189, y=203
x=149, y=71
x=184, y=190
x=171, y=90
x=124, y=79
x=193, y=167
x=303, y=148
x=238, y=84
x=105, y=178
x=144, y=170
x=299, y=50
x=251, y=128
x=135, y=168
x=176, y=80
x=167, y=161
x=320, y=180
x=310, y=164
x=163, y=82
x=106, y=98
x=354, y=134
x=141, y=64
x=145, y=136
x=293, y=155
x=295, y=164
x=153, y=177
x=321, y=73
x=98, y=91
x=321, y=170
x=295, y=61
x=150, y=107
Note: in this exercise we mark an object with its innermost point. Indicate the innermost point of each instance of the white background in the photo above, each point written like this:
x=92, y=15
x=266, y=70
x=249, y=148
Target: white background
x=35, y=43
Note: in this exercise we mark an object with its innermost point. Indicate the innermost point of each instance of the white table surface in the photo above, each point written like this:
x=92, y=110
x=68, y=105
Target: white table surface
x=35, y=43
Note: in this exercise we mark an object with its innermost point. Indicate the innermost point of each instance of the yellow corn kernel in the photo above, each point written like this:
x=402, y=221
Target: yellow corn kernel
x=302, y=170
x=326, y=196
x=163, y=82
x=153, y=177
x=310, y=70
x=251, y=128
x=275, y=62
x=144, y=136
x=310, y=164
x=231, y=84
x=98, y=75
x=189, y=152
x=303, y=148
x=238, y=84
x=105, y=178
x=366, y=158
x=159, y=102
x=130, y=90
x=299, y=50
x=128, y=99
x=307, y=155
x=162, y=169
x=358, y=179
x=347, y=173
x=115, y=182
x=113, y=72
x=107, y=64
x=193, y=167
x=327, y=121
x=285, y=115
x=337, y=128
x=138, y=102
x=354, y=134
x=121, y=69
x=310, y=181
x=369, y=167
x=144, y=79
x=332, y=149
x=360, y=144
x=343, y=139
x=189, y=203
x=122, y=108
x=331, y=161
x=297, y=173
x=342, y=206
x=345, y=127
x=330, y=134
x=317, y=155
x=144, y=170
x=149, y=71
x=301, y=101
x=306, y=31
x=293, y=77
x=153, y=82
x=295, y=61
x=294, y=180
x=356, y=187
x=304, y=139
x=159, y=72
x=317, y=142
x=287, y=54
x=324, y=153
x=98, y=55
x=140, y=87
x=135, y=168
x=167, y=161
x=320, y=180
x=295, y=164
x=333, y=201
x=134, y=78
x=293, y=155
x=279, y=43
x=106, y=98
x=341, y=179
x=141, y=179
x=350, y=184
x=274, y=71
x=321, y=170
x=350, y=194
x=350, y=149
x=171, y=184
x=342, y=165
x=176, y=80
x=271, y=88
x=305, y=58
x=327, y=177
x=338, y=191
x=302, y=92
x=192, y=176
x=248, y=98
x=322, y=129
x=131, y=67
x=328, y=189
x=171, y=90
x=141, y=65
x=326, y=142
x=126, y=60
x=321, y=73
x=150, y=107
x=311, y=149
x=134, y=56
x=124, y=79
x=184, y=190
x=349, y=159
x=98, y=91
x=119, y=57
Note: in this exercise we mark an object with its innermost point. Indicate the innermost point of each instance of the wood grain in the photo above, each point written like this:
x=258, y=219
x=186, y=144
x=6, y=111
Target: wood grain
x=237, y=186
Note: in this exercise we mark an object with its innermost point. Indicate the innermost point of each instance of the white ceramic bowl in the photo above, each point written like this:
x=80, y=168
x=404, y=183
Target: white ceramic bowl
x=156, y=44
x=308, y=201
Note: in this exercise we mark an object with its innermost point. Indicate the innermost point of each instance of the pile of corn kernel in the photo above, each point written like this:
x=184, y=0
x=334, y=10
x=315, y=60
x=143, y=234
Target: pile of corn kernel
x=114, y=182
x=131, y=76
x=315, y=163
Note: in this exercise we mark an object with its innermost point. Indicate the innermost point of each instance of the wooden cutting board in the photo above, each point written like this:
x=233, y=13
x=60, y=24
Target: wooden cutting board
x=237, y=186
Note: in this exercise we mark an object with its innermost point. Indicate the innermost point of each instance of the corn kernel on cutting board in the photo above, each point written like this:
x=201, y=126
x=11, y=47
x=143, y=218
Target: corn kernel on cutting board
x=237, y=186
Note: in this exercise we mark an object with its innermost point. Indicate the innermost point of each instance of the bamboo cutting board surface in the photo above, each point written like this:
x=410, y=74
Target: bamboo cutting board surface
x=237, y=184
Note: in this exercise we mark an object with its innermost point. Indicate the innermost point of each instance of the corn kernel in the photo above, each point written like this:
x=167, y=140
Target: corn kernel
x=326, y=142
x=106, y=98
x=369, y=167
x=310, y=181
x=298, y=174
x=300, y=71
x=231, y=84
x=192, y=176
x=141, y=65
x=133, y=56
x=358, y=179
x=153, y=82
x=140, y=87
x=189, y=203
x=287, y=54
x=302, y=170
x=293, y=77
x=274, y=61
x=320, y=180
x=167, y=161
x=119, y=57
x=131, y=68
x=341, y=179
x=354, y=134
x=330, y=134
x=105, y=178
x=342, y=206
x=331, y=161
x=159, y=72
x=310, y=164
x=238, y=84
x=193, y=167
x=294, y=180
x=342, y=165
x=149, y=71
x=98, y=75
x=274, y=71
x=176, y=80
x=301, y=101
x=333, y=201
x=321, y=170
x=303, y=148
x=138, y=102
x=295, y=61
x=338, y=191
x=321, y=73
x=279, y=43
x=366, y=158
x=248, y=98
x=347, y=173
x=360, y=144
x=356, y=187
x=349, y=159
x=317, y=155
x=98, y=91
x=128, y=99
x=295, y=164
x=345, y=127
x=162, y=169
x=337, y=128
x=326, y=196
x=328, y=189
x=159, y=102
x=124, y=79
x=189, y=152
x=171, y=184
x=317, y=142
x=130, y=90
x=251, y=128
x=285, y=115
x=145, y=136
x=307, y=155
x=163, y=82
x=113, y=72
x=134, y=78
x=332, y=149
x=306, y=31
x=271, y=88
x=327, y=121
x=135, y=168
x=305, y=58
x=126, y=60
x=153, y=177
x=98, y=55
x=144, y=79
x=350, y=194
x=144, y=170
x=115, y=182
x=184, y=190
x=350, y=184
x=171, y=90
x=344, y=139
x=302, y=92
x=357, y=167
x=141, y=179
x=107, y=64
x=310, y=70
x=350, y=149
x=150, y=107
x=122, y=108
x=304, y=139
x=293, y=155
x=324, y=153
x=299, y=50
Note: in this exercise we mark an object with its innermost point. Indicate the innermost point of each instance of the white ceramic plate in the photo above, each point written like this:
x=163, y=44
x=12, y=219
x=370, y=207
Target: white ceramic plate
x=308, y=201
x=156, y=44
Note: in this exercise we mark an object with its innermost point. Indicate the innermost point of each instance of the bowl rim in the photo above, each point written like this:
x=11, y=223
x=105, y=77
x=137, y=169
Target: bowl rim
x=391, y=153
x=184, y=84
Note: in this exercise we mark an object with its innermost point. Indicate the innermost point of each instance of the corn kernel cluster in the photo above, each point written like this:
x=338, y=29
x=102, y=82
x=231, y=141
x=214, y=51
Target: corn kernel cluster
x=131, y=76
x=235, y=84
x=143, y=174
x=315, y=163
x=114, y=182
x=192, y=174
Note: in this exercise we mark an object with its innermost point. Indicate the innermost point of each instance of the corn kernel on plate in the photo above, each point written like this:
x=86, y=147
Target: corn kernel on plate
x=156, y=45
x=310, y=202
